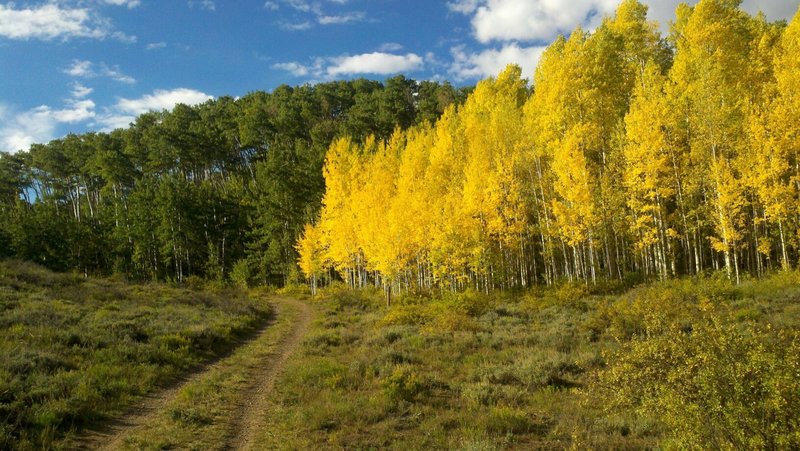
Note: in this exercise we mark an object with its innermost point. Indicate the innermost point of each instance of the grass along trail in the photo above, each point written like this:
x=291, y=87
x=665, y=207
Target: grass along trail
x=255, y=400
x=218, y=406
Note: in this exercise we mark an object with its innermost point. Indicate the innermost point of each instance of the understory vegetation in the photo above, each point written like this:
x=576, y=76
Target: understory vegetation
x=686, y=363
x=74, y=351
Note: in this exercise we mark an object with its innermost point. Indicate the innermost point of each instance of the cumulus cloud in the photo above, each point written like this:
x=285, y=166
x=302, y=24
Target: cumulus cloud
x=530, y=20
x=88, y=69
x=80, y=91
x=490, y=62
x=316, y=11
x=78, y=111
x=47, y=22
x=38, y=125
x=301, y=26
x=52, y=21
x=542, y=20
x=305, y=6
x=294, y=68
x=155, y=45
x=125, y=111
x=463, y=6
x=162, y=99
x=342, y=19
x=129, y=3
x=23, y=129
x=375, y=63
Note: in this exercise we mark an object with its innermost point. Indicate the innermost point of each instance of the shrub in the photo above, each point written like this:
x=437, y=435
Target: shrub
x=403, y=384
x=340, y=296
x=720, y=385
x=241, y=274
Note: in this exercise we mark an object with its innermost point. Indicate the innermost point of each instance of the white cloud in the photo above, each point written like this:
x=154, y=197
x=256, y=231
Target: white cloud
x=47, y=22
x=124, y=38
x=390, y=47
x=24, y=129
x=80, y=68
x=88, y=69
x=51, y=21
x=296, y=26
x=342, y=19
x=490, y=62
x=38, y=125
x=79, y=111
x=113, y=121
x=156, y=45
x=124, y=112
x=375, y=63
x=535, y=20
x=80, y=91
x=162, y=100
x=116, y=75
x=463, y=6
x=207, y=5
x=379, y=63
x=129, y=3
x=294, y=68
x=315, y=9
x=305, y=6
x=542, y=20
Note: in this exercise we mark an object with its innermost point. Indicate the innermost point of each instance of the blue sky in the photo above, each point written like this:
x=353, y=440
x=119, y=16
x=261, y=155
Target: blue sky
x=78, y=65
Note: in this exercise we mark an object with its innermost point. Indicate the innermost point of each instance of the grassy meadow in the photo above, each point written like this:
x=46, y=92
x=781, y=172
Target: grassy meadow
x=676, y=364
x=74, y=351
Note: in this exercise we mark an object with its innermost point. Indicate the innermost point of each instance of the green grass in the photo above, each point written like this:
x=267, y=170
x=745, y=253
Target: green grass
x=478, y=372
x=75, y=351
x=203, y=414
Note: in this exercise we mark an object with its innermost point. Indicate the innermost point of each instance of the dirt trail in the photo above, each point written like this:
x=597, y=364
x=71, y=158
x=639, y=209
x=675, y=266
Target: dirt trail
x=245, y=424
x=250, y=414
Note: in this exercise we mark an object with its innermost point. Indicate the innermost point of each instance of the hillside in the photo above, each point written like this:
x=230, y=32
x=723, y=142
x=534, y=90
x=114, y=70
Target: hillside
x=75, y=351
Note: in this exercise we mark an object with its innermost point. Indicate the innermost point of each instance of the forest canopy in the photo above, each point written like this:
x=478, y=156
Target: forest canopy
x=198, y=191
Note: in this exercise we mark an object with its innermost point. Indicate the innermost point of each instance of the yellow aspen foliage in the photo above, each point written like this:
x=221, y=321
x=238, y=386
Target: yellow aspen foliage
x=710, y=75
x=574, y=211
x=409, y=214
x=337, y=222
x=492, y=205
x=623, y=156
x=376, y=188
x=648, y=175
x=444, y=182
x=310, y=254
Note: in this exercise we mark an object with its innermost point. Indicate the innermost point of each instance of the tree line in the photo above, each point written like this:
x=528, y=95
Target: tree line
x=217, y=190
x=630, y=154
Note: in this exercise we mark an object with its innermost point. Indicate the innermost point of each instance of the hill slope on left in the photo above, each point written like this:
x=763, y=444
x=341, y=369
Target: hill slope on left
x=75, y=351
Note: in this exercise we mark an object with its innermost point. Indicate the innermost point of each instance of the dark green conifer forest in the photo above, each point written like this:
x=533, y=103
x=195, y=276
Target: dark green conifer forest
x=215, y=191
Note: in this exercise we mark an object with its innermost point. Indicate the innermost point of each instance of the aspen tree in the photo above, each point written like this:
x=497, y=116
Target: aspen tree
x=310, y=255
x=648, y=175
x=784, y=125
x=710, y=63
